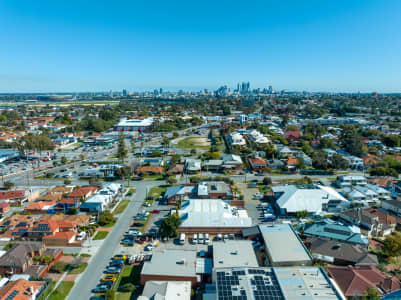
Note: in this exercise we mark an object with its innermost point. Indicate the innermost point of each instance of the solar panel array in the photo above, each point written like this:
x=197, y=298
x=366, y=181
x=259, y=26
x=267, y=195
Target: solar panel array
x=13, y=294
x=337, y=231
x=41, y=227
x=21, y=231
x=261, y=283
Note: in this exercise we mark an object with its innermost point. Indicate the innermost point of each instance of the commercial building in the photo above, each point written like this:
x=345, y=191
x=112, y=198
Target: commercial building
x=171, y=265
x=142, y=125
x=289, y=283
x=233, y=253
x=166, y=290
x=212, y=216
x=291, y=199
x=6, y=154
x=283, y=246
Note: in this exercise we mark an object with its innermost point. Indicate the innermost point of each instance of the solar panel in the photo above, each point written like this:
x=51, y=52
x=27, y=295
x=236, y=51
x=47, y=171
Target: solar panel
x=337, y=231
x=13, y=294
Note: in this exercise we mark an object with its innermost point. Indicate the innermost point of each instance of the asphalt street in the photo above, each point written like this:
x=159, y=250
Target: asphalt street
x=90, y=278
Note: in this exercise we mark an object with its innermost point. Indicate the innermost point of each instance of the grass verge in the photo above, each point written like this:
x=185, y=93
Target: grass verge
x=62, y=291
x=78, y=270
x=121, y=207
x=100, y=235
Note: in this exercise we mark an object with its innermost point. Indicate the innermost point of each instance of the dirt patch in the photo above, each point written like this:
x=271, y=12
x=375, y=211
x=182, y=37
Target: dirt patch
x=53, y=276
x=67, y=258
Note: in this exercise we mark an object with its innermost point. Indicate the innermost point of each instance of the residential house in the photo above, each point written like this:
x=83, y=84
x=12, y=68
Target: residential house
x=83, y=192
x=339, y=253
x=166, y=290
x=193, y=165
x=336, y=231
x=149, y=170
x=392, y=206
x=4, y=207
x=350, y=180
x=19, y=259
x=21, y=289
x=176, y=169
x=257, y=164
x=354, y=281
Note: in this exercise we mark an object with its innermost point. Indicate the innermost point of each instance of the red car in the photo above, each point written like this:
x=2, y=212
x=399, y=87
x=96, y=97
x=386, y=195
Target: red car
x=156, y=211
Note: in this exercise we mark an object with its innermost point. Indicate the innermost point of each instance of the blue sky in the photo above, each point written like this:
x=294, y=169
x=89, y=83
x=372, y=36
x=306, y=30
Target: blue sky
x=100, y=45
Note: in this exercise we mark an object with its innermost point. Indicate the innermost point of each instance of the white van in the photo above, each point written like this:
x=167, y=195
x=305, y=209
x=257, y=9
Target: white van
x=200, y=240
x=219, y=237
x=207, y=240
x=182, y=238
x=195, y=239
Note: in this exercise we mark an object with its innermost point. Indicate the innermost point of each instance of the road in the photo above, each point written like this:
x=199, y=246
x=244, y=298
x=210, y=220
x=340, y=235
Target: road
x=90, y=278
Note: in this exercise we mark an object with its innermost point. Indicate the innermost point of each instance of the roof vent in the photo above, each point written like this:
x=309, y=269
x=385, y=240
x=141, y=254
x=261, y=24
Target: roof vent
x=181, y=262
x=235, y=252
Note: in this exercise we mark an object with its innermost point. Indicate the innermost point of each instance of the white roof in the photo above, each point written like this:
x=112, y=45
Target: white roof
x=97, y=198
x=212, y=213
x=305, y=197
x=167, y=290
x=136, y=122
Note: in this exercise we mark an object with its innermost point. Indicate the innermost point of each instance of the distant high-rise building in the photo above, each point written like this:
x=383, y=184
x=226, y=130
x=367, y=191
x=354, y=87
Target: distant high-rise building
x=161, y=91
x=245, y=86
x=125, y=93
x=270, y=89
x=155, y=92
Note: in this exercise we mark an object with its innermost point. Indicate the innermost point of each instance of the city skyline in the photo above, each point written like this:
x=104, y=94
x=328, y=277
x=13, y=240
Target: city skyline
x=346, y=46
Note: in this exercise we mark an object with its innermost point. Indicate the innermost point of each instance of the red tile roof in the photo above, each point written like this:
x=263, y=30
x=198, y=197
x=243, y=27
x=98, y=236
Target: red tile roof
x=295, y=134
x=353, y=281
x=4, y=204
x=68, y=235
x=257, y=161
x=7, y=195
x=292, y=161
x=83, y=191
x=384, y=217
x=150, y=169
x=23, y=287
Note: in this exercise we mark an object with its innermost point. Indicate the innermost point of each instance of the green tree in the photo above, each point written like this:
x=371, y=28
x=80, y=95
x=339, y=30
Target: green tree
x=169, y=226
x=64, y=160
x=106, y=217
x=392, y=244
x=371, y=294
x=338, y=162
x=110, y=294
x=165, y=142
x=267, y=181
x=121, y=151
x=8, y=185
x=175, y=135
x=128, y=287
x=302, y=214
x=351, y=141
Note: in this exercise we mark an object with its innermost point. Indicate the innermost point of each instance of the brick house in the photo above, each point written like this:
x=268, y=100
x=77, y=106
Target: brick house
x=257, y=164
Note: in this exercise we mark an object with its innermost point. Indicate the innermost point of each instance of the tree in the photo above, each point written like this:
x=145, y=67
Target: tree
x=64, y=160
x=169, y=226
x=391, y=140
x=106, y=217
x=171, y=179
x=392, y=244
x=371, y=294
x=175, y=135
x=338, y=162
x=165, y=142
x=302, y=214
x=8, y=185
x=67, y=181
x=121, y=151
x=123, y=172
x=267, y=181
x=351, y=141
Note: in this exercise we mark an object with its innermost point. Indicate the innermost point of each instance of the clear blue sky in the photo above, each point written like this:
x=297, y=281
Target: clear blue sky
x=315, y=45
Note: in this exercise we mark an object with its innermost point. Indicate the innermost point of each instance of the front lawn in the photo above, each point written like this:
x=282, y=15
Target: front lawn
x=62, y=290
x=100, y=235
x=194, y=143
x=121, y=207
x=78, y=270
x=156, y=192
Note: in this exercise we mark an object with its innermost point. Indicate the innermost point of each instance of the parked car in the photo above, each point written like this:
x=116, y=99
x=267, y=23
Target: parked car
x=101, y=288
x=147, y=204
x=148, y=247
x=113, y=270
x=137, y=224
x=111, y=278
x=156, y=211
x=120, y=256
x=117, y=263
